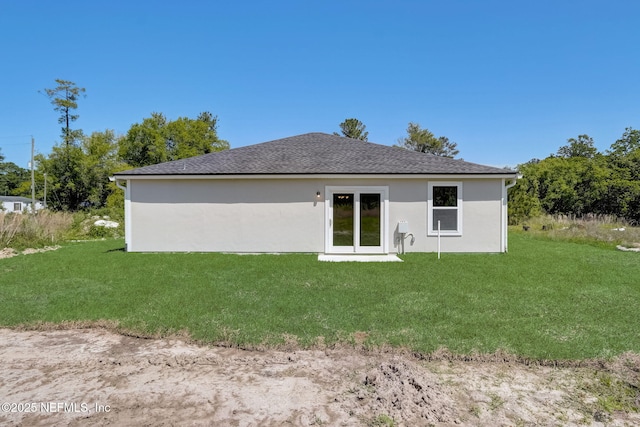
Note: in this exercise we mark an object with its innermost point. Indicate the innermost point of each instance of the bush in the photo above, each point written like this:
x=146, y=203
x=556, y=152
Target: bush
x=98, y=232
x=84, y=227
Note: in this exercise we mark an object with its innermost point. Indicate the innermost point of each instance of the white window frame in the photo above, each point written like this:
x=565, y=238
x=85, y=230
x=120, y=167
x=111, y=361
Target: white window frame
x=17, y=206
x=430, y=207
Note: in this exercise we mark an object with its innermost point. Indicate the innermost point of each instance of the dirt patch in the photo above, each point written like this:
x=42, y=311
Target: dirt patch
x=96, y=377
x=10, y=252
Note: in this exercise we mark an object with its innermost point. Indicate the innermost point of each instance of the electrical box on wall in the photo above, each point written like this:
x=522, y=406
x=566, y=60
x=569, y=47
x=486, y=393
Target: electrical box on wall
x=403, y=227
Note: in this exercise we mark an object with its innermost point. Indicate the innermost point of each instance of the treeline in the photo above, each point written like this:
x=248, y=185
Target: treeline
x=78, y=173
x=579, y=180
x=78, y=168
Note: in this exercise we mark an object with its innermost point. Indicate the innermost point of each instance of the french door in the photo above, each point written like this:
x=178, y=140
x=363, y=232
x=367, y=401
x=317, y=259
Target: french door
x=356, y=219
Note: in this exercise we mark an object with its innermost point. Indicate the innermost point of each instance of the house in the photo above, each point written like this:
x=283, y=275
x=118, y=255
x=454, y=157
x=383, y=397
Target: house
x=316, y=193
x=18, y=204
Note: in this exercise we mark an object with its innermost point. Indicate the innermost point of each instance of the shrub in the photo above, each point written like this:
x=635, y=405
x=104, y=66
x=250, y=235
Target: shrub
x=84, y=227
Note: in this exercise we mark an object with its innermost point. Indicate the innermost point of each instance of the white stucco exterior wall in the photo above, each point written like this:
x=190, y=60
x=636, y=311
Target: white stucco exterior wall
x=284, y=215
x=481, y=217
x=226, y=216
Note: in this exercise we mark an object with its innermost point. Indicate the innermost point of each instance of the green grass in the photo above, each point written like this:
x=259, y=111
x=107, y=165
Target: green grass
x=544, y=300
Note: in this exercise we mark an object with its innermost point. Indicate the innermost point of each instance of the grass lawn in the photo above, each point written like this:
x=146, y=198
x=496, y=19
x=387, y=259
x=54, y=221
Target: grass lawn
x=544, y=300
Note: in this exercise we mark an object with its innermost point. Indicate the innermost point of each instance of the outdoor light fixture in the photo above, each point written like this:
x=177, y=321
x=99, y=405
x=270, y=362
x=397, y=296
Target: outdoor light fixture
x=318, y=194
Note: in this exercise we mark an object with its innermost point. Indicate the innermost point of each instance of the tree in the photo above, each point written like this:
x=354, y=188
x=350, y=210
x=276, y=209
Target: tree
x=581, y=147
x=445, y=148
x=64, y=162
x=185, y=137
x=87, y=167
x=64, y=98
x=11, y=176
x=524, y=202
x=64, y=170
x=581, y=181
x=157, y=140
x=144, y=143
x=100, y=160
x=559, y=185
x=629, y=142
x=353, y=128
x=424, y=141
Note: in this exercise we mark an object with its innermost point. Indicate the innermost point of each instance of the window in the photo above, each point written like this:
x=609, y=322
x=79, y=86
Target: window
x=445, y=206
x=17, y=207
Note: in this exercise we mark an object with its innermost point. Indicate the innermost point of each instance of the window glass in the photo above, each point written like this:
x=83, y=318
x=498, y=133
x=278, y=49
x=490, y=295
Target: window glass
x=448, y=219
x=370, y=219
x=445, y=196
x=343, y=219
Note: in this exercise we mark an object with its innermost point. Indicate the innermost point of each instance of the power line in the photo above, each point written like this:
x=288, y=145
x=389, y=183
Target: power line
x=15, y=143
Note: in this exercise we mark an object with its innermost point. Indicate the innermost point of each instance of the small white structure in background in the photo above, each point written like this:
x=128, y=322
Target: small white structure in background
x=18, y=204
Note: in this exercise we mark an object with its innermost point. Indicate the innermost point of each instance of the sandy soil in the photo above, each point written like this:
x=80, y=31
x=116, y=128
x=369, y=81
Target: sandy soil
x=96, y=377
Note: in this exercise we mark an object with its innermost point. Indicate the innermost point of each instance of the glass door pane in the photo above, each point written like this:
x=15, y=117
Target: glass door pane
x=370, y=219
x=343, y=219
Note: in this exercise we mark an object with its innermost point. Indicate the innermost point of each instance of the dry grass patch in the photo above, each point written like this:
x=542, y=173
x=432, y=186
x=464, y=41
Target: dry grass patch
x=605, y=229
x=23, y=231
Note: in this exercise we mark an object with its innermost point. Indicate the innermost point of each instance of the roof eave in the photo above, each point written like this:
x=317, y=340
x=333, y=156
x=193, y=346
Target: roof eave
x=497, y=175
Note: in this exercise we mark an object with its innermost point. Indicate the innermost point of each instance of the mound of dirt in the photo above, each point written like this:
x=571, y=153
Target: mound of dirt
x=96, y=377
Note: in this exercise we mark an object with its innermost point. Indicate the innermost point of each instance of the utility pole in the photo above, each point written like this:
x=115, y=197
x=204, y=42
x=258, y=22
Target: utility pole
x=45, y=190
x=33, y=179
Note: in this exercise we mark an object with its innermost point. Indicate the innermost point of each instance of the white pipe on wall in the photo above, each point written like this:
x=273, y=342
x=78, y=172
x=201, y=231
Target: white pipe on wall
x=438, y=239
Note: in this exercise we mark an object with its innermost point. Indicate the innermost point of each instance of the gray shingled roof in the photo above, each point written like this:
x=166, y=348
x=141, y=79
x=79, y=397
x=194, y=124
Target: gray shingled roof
x=315, y=153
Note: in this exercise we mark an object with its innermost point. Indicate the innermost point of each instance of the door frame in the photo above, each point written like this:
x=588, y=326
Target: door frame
x=329, y=191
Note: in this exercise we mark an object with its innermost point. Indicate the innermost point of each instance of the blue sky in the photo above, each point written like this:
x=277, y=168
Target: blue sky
x=507, y=80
